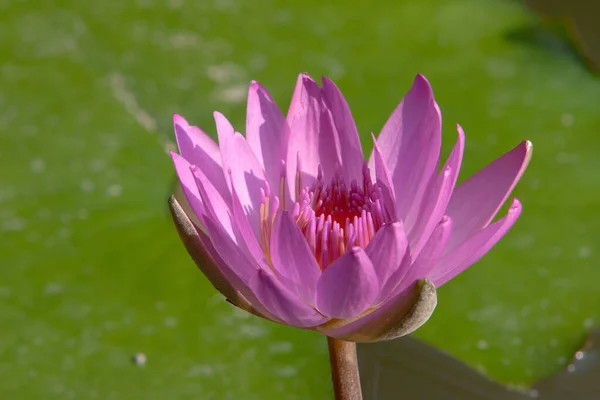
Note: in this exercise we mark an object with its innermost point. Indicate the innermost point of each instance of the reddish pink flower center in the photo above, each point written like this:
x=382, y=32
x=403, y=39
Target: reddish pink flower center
x=333, y=217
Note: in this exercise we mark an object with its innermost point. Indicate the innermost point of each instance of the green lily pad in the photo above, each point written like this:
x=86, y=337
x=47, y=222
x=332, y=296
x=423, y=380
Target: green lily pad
x=93, y=273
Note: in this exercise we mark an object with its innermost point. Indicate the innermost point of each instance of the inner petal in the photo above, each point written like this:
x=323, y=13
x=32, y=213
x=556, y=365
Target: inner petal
x=333, y=216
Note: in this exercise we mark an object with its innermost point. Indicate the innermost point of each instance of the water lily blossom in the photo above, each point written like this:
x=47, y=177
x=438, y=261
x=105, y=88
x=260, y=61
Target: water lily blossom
x=292, y=223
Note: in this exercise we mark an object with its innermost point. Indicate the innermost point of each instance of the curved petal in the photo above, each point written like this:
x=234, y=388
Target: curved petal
x=350, y=148
x=212, y=265
x=472, y=249
x=267, y=132
x=384, y=180
x=246, y=232
x=188, y=184
x=191, y=139
x=437, y=197
x=215, y=205
x=431, y=254
x=247, y=174
x=293, y=259
x=348, y=286
x=475, y=202
x=386, y=251
x=410, y=143
x=200, y=150
x=233, y=255
x=398, y=317
x=222, y=230
x=283, y=303
x=312, y=135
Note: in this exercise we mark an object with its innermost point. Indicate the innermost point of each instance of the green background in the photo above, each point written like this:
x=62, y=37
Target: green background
x=91, y=268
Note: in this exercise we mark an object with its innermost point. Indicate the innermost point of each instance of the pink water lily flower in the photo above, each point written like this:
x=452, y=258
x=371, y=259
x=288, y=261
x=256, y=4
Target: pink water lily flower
x=291, y=223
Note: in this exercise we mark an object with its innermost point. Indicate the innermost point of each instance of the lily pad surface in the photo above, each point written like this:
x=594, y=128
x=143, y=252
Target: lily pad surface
x=92, y=272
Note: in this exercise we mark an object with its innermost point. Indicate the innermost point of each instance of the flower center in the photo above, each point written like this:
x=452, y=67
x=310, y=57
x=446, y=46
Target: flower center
x=332, y=217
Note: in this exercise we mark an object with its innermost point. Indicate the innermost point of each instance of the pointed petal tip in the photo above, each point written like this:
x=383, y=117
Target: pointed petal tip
x=528, y=146
x=421, y=77
x=304, y=78
x=374, y=139
x=515, y=206
x=421, y=80
x=180, y=120
x=256, y=86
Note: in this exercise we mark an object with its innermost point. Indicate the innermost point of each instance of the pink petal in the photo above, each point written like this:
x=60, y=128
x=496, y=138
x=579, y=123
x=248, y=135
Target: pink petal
x=410, y=143
x=247, y=174
x=475, y=247
x=397, y=317
x=232, y=278
x=350, y=148
x=222, y=230
x=384, y=180
x=283, y=303
x=246, y=232
x=293, y=259
x=312, y=136
x=429, y=257
x=191, y=140
x=188, y=183
x=199, y=149
x=348, y=286
x=437, y=197
x=475, y=202
x=212, y=265
x=215, y=206
x=233, y=255
x=386, y=251
x=267, y=132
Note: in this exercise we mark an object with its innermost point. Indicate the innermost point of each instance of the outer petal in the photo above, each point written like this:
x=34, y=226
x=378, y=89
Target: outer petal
x=386, y=251
x=246, y=232
x=293, y=259
x=267, y=132
x=475, y=202
x=199, y=149
x=410, y=142
x=350, y=148
x=471, y=250
x=437, y=197
x=398, y=317
x=223, y=232
x=191, y=139
x=235, y=256
x=283, y=303
x=188, y=183
x=212, y=265
x=247, y=174
x=216, y=207
x=429, y=257
x=312, y=136
x=348, y=286
x=384, y=180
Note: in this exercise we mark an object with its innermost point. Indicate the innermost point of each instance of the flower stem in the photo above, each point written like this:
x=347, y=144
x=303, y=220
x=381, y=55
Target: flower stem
x=344, y=369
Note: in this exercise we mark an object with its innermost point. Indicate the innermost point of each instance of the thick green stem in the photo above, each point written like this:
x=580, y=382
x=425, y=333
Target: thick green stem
x=344, y=369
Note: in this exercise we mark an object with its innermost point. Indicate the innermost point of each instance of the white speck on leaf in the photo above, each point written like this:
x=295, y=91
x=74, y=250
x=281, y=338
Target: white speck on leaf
x=114, y=190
